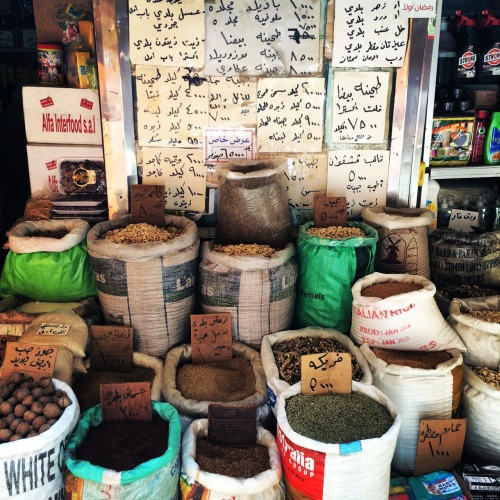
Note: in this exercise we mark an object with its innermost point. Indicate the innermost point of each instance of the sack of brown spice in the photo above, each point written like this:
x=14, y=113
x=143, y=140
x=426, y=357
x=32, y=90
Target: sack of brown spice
x=398, y=311
x=281, y=352
x=230, y=474
x=477, y=322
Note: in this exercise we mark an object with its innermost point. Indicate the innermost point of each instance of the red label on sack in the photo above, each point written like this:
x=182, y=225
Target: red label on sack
x=303, y=469
x=47, y=102
x=51, y=165
x=85, y=103
x=492, y=57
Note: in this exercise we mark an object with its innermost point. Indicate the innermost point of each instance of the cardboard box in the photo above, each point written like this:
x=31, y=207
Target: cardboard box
x=485, y=98
x=43, y=160
x=62, y=115
x=51, y=18
x=451, y=141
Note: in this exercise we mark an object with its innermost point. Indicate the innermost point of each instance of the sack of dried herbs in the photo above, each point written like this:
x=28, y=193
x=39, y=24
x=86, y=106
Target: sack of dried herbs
x=477, y=322
x=229, y=283
x=401, y=313
x=281, y=352
x=417, y=392
x=481, y=408
x=228, y=472
x=350, y=438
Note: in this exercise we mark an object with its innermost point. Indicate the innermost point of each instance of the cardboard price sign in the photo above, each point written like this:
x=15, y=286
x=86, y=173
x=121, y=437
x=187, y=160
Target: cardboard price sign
x=440, y=444
x=4, y=339
x=147, y=204
x=463, y=220
x=330, y=211
x=111, y=348
x=232, y=425
x=123, y=402
x=35, y=361
x=211, y=338
x=326, y=373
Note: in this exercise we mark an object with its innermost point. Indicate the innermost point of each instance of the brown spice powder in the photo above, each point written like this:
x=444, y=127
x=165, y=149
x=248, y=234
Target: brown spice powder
x=223, y=382
x=389, y=289
x=233, y=462
x=428, y=360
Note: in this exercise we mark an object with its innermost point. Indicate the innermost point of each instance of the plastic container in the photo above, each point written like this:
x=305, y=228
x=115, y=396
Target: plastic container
x=484, y=212
x=444, y=214
x=489, y=63
x=50, y=63
x=466, y=62
x=481, y=125
x=496, y=220
x=492, y=147
x=446, y=55
x=432, y=201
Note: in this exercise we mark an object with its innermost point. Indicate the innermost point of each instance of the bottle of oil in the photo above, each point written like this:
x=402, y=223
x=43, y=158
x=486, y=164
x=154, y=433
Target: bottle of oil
x=489, y=62
x=467, y=50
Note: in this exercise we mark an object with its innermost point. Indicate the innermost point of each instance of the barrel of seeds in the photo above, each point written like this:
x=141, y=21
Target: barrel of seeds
x=398, y=311
x=481, y=408
x=254, y=283
x=146, y=277
x=477, y=322
x=337, y=446
x=330, y=261
x=403, y=244
x=215, y=471
x=281, y=353
x=422, y=385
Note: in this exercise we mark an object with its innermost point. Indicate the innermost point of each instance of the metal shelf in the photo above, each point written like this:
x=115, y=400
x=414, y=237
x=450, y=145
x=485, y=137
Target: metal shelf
x=465, y=172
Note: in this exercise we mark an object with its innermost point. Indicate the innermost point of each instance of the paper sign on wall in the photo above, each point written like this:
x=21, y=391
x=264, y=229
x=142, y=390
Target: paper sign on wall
x=326, y=373
x=416, y=8
x=463, y=220
x=359, y=112
x=360, y=176
x=211, y=338
x=147, y=204
x=368, y=34
x=35, y=361
x=228, y=144
x=183, y=173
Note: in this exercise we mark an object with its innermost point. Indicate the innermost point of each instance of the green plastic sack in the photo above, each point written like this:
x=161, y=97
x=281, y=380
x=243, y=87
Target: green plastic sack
x=327, y=270
x=156, y=478
x=48, y=269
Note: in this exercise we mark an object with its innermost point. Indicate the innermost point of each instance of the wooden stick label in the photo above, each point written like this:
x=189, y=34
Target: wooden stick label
x=111, y=348
x=330, y=211
x=211, y=338
x=147, y=204
x=326, y=373
x=35, y=361
x=129, y=401
x=232, y=425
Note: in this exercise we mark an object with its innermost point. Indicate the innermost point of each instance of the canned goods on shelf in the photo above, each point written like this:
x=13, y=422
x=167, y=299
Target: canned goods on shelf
x=50, y=63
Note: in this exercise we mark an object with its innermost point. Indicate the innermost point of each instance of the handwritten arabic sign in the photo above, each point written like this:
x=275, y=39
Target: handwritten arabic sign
x=463, y=220
x=440, y=444
x=147, y=204
x=231, y=425
x=368, y=34
x=359, y=113
x=211, y=338
x=228, y=144
x=260, y=37
x=290, y=114
x=33, y=360
x=414, y=8
x=360, y=176
x=168, y=33
x=183, y=173
x=54, y=329
x=330, y=211
x=111, y=348
x=326, y=373
x=129, y=401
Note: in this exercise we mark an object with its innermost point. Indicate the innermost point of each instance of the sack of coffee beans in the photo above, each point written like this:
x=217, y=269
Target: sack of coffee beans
x=477, y=322
x=398, y=311
x=402, y=247
x=213, y=471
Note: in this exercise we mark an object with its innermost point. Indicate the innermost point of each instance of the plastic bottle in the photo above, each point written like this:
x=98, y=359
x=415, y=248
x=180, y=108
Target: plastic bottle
x=467, y=59
x=489, y=62
x=465, y=205
x=481, y=126
x=432, y=201
x=444, y=214
x=496, y=221
x=492, y=147
x=484, y=214
x=446, y=55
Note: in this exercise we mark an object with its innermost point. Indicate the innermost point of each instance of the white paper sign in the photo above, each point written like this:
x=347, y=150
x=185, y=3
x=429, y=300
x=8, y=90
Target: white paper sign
x=290, y=114
x=361, y=176
x=359, y=107
x=183, y=173
x=369, y=33
x=415, y=8
x=463, y=220
x=167, y=33
x=228, y=144
x=257, y=37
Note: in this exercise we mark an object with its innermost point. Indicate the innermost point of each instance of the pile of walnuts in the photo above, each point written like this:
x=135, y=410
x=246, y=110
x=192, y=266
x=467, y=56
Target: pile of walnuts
x=28, y=408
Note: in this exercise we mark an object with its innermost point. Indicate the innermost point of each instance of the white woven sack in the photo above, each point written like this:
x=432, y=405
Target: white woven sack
x=33, y=469
x=276, y=385
x=417, y=394
x=267, y=485
x=482, y=338
x=481, y=408
x=258, y=291
x=408, y=321
x=326, y=471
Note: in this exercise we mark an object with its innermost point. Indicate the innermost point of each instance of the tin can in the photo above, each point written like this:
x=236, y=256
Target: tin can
x=50, y=63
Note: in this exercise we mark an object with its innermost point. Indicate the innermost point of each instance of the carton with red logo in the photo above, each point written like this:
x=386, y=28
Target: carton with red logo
x=62, y=115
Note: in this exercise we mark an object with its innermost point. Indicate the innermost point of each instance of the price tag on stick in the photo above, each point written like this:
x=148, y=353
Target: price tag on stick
x=211, y=338
x=232, y=425
x=326, y=373
x=330, y=211
x=147, y=204
x=35, y=361
x=111, y=348
x=440, y=444
x=123, y=402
